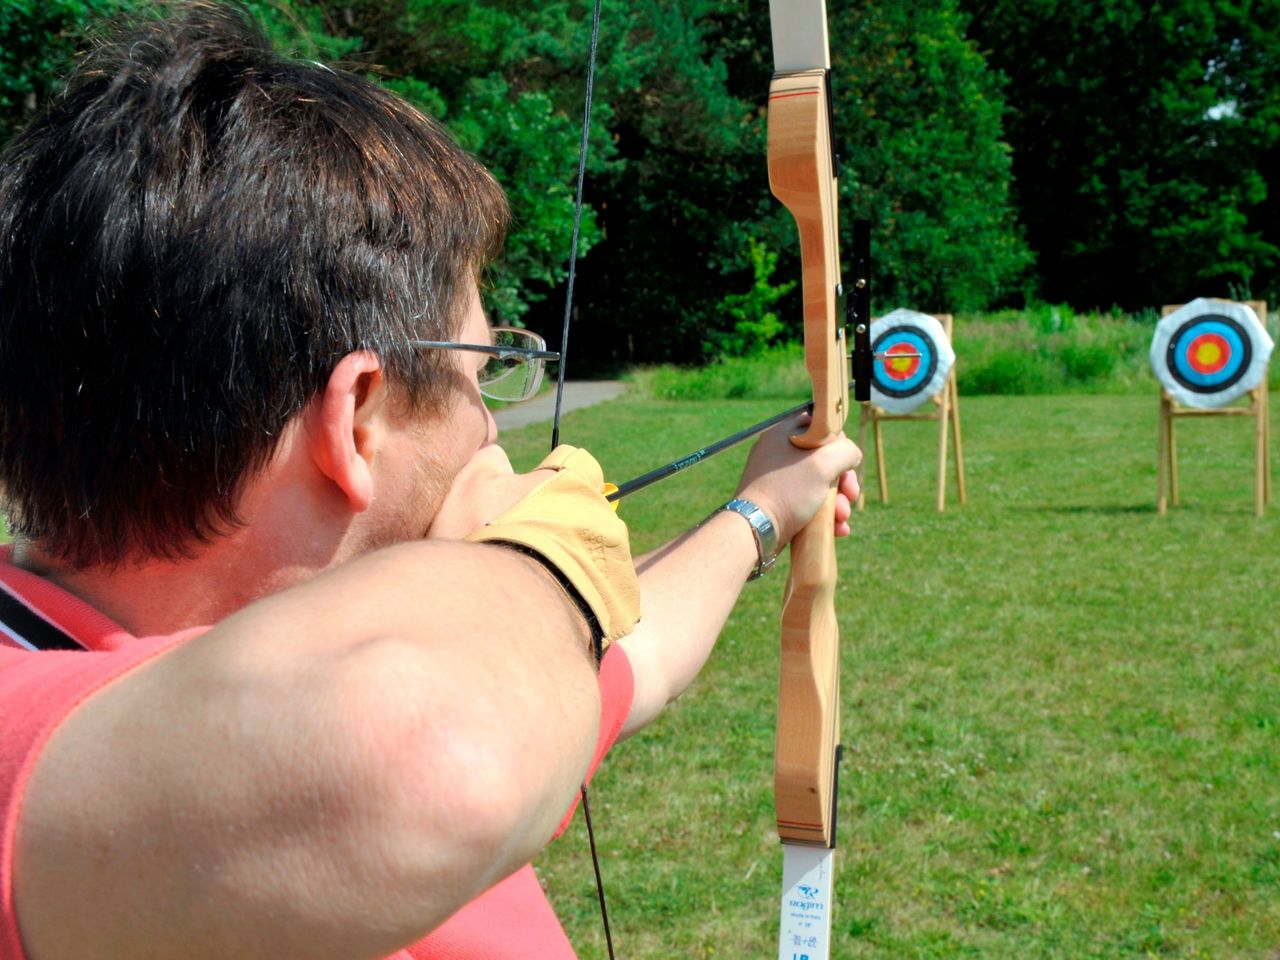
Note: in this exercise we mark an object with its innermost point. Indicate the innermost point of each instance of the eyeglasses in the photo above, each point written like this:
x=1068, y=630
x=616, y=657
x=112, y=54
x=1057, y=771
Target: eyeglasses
x=517, y=359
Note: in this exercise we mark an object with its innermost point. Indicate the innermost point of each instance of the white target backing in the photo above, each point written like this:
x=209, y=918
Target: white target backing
x=900, y=384
x=1208, y=353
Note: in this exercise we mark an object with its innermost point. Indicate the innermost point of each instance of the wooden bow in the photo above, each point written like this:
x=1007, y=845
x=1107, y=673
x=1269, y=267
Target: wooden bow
x=802, y=176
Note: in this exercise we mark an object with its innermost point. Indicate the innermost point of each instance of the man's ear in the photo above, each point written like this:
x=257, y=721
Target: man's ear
x=344, y=428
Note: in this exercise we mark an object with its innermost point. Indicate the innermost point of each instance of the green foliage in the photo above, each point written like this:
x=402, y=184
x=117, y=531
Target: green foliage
x=1144, y=142
x=1041, y=350
x=505, y=81
x=778, y=372
x=300, y=30
x=1050, y=349
x=925, y=157
x=528, y=145
x=680, y=208
x=38, y=39
x=755, y=323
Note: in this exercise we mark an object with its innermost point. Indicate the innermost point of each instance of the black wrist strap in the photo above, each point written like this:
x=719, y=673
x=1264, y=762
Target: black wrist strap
x=570, y=590
x=29, y=628
x=593, y=624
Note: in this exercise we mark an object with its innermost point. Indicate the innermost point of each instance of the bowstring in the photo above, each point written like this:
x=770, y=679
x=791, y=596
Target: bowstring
x=577, y=221
x=564, y=353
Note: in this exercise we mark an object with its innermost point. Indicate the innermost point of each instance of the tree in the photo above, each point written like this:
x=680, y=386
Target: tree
x=686, y=254
x=1139, y=131
x=504, y=77
x=38, y=38
x=924, y=156
x=687, y=214
x=680, y=206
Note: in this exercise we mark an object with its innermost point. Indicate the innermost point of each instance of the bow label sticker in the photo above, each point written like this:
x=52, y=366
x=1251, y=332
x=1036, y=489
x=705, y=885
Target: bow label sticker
x=806, y=903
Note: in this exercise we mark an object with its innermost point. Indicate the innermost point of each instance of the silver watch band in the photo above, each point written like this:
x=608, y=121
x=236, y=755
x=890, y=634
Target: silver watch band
x=762, y=529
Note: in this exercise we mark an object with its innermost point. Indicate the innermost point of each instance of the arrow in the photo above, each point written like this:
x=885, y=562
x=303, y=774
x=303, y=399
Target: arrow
x=711, y=449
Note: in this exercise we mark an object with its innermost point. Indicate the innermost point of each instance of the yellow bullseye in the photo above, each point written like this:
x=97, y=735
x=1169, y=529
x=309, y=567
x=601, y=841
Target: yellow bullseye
x=1208, y=353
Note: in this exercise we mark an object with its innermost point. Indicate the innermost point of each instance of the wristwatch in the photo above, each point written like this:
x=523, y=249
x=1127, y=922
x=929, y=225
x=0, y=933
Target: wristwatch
x=762, y=529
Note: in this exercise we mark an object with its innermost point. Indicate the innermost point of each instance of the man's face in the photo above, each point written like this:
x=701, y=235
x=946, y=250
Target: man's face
x=469, y=424
x=435, y=445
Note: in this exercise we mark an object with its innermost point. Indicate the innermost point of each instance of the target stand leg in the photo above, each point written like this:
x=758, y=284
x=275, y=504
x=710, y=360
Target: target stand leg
x=955, y=437
x=881, y=470
x=1162, y=457
x=1266, y=444
x=944, y=421
x=1260, y=452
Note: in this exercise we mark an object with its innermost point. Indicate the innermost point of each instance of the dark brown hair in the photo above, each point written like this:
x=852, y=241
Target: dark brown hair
x=190, y=238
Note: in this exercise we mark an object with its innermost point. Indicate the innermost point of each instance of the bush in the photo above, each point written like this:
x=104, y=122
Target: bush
x=1044, y=349
x=778, y=372
x=1050, y=349
x=1008, y=371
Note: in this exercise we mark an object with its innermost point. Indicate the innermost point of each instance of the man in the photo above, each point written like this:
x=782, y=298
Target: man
x=329, y=677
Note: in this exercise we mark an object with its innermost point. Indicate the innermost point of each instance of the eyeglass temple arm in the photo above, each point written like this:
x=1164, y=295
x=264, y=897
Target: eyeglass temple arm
x=501, y=353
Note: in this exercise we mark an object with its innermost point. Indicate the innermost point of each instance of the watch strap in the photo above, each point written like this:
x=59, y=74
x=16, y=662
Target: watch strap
x=762, y=529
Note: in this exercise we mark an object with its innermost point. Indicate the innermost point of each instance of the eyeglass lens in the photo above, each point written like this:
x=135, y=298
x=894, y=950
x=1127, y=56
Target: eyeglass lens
x=513, y=378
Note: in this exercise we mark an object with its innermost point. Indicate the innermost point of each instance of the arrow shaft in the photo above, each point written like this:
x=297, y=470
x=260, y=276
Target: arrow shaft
x=685, y=462
x=692, y=459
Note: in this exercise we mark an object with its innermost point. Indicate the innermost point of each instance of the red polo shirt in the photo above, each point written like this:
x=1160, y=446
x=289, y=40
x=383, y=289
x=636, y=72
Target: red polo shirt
x=39, y=689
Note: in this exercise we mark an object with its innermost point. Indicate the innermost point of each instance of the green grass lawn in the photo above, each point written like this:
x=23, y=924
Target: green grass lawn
x=1061, y=711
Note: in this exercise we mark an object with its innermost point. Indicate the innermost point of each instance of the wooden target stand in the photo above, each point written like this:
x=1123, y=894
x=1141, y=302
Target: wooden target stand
x=947, y=414
x=1171, y=411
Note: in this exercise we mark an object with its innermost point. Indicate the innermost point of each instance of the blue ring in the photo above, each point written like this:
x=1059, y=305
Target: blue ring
x=919, y=341
x=1238, y=343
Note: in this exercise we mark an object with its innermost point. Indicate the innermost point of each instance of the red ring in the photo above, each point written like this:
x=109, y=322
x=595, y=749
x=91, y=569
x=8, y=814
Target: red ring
x=900, y=368
x=1208, y=353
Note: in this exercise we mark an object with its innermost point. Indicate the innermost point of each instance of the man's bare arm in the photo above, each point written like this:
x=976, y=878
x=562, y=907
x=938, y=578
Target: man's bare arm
x=690, y=585
x=329, y=773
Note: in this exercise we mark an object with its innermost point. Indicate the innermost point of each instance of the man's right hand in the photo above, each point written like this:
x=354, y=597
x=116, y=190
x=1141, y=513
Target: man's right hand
x=485, y=488
x=565, y=521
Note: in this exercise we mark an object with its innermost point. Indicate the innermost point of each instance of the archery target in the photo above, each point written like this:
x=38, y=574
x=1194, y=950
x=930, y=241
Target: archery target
x=899, y=382
x=1208, y=353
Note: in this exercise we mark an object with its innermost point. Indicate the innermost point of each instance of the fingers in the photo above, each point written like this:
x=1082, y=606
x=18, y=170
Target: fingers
x=484, y=488
x=848, y=483
x=790, y=483
x=489, y=460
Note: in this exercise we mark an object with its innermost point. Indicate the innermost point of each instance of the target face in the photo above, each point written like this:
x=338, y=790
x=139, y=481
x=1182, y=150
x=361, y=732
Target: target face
x=900, y=382
x=1208, y=353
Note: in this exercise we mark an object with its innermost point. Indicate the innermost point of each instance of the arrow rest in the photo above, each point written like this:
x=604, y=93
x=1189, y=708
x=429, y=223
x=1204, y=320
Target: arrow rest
x=858, y=311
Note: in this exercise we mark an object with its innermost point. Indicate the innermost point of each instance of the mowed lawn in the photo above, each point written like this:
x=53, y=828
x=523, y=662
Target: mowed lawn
x=1061, y=711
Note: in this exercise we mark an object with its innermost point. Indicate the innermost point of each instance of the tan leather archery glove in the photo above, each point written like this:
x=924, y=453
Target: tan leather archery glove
x=566, y=523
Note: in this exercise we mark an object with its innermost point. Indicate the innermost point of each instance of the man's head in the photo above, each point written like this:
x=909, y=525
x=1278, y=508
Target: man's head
x=191, y=238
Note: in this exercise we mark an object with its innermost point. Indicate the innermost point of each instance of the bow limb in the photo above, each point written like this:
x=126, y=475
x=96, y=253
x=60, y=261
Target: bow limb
x=802, y=177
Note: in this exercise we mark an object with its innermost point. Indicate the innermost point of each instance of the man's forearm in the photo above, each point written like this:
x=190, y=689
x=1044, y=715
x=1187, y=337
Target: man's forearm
x=688, y=588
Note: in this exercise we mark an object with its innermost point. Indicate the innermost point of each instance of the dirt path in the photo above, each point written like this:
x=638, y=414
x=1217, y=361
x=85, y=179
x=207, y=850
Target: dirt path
x=577, y=394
